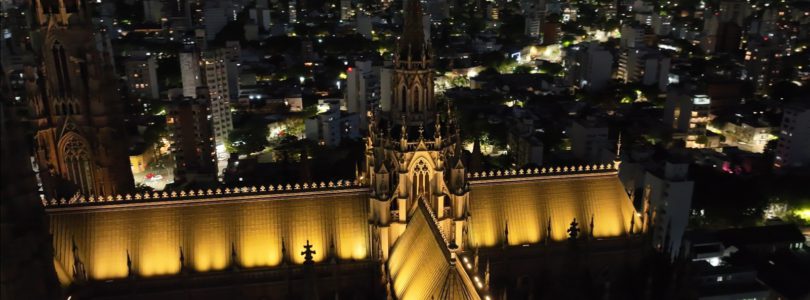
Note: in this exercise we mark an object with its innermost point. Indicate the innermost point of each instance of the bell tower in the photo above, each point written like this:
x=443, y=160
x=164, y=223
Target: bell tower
x=80, y=143
x=413, y=71
x=412, y=150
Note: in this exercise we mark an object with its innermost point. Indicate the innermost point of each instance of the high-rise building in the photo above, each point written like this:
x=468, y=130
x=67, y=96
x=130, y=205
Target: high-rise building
x=532, y=26
x=534, y=12
x=346, y=11
x=644, y=65
x=661, y=24
x=190, y=73
x=794, y=136
x=711, y=24
x=632, y=36
x=386, y=90
x=292, y=11
x=642, y=12
x=589, y=66
x=364, y=26
x=362, y=89
x=141, y=74
x=216, y=17
x=667, y=200
x=192, y=140
x=589, y=141
x=215, y=67
x=261, y=15
x=688, y=115
x=232, y=53
x=763, y=62
x=551, y=32
x=75, y=107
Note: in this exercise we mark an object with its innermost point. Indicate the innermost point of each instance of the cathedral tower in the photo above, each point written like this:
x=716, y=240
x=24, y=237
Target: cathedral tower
x=80, y=143
x=27, y=265
x=413, y=72
x=412, y=150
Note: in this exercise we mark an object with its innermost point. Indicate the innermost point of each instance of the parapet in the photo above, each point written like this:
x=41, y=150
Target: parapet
x=217, y=193
x=549, y=171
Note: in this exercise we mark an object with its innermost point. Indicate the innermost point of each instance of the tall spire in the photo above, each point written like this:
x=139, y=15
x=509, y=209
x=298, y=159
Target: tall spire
x=413, y=35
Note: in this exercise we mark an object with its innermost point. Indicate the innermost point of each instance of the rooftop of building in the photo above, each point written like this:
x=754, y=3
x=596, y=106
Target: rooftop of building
x=759, y=235
x=292, y=190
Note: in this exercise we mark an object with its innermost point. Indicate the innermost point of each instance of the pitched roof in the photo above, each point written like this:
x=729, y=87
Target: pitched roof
x=421, y=265
x=527, y=205
x=208, y=231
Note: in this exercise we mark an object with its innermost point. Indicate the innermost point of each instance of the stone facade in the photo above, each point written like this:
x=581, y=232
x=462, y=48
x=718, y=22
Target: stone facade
x=75, y=107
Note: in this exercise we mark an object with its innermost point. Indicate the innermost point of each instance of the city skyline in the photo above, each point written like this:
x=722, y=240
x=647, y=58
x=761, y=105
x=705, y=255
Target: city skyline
x=409, y=149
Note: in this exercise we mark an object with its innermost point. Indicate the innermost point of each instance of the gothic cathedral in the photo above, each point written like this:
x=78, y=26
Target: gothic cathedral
x=410, y=155
x=80, y=143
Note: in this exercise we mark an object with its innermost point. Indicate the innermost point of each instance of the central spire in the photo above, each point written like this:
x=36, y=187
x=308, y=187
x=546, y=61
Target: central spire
x=412, y=82
x=413, y=35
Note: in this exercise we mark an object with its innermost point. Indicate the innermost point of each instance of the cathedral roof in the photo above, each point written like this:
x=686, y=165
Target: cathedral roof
x=528, y=204
x=257, y=228
x=421, y=265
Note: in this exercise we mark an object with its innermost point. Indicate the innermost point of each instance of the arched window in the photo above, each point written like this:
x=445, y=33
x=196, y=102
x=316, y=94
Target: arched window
x=420, y=179
x=61, y=64
x=417, y=101
x=404, y=99
x=77, y=163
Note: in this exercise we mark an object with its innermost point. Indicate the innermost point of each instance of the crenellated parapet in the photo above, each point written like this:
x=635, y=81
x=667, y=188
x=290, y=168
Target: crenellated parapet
x=215, y=193
x=546, y=171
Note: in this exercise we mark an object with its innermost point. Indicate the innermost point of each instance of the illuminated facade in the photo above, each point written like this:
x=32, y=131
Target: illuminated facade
x=75, y=107
x=688, y=114
x=413, y=221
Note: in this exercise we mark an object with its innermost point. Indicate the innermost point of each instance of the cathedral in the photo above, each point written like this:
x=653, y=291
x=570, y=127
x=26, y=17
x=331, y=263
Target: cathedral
x=414, y=224
x=74, y=105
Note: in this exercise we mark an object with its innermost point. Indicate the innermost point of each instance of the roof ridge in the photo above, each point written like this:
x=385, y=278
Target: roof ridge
x=433, y=224
x=547, y=171
x=219, y=192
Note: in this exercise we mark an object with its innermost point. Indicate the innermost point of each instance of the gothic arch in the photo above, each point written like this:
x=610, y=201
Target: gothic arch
x=403, y=92
x=77, y=165
x=61, y=65
x=416, y=90
x=420, y=179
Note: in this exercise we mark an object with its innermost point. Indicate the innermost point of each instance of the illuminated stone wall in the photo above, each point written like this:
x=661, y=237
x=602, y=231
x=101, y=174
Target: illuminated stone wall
x=207, y=230
x=526, y=204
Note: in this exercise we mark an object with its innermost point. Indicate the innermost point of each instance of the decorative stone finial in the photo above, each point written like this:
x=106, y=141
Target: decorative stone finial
x=573, y=230
x=129, y=266
x=307, y=253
